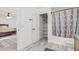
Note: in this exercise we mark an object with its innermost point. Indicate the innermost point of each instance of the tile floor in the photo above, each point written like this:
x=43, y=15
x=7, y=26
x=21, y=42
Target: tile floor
x=42, y=44
x=38, y=46
x=8, y=43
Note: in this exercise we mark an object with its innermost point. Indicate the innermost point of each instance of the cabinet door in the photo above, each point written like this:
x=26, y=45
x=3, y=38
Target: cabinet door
x=24, y=33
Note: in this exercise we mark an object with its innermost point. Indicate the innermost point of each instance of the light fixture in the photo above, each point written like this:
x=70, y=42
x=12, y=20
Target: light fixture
x=9, y=16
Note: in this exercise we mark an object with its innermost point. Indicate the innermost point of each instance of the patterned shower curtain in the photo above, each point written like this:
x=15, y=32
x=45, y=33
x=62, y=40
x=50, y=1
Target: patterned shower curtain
x=65, y=23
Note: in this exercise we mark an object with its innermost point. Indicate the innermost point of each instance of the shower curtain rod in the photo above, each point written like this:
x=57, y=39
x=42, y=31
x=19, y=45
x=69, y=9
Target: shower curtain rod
x=64, y=9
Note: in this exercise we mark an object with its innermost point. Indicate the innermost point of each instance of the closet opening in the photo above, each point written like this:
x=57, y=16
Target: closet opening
x=44, y=26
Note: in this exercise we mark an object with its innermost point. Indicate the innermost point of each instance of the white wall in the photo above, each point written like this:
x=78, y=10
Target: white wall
x=35, y=24
x=41, y=10
x=3, y=16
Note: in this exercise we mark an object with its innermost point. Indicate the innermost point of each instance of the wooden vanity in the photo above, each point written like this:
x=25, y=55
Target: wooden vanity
x=5, y=30
x=76, y=43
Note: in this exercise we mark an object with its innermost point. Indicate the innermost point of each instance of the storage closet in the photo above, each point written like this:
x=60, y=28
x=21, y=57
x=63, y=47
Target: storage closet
x=43, y=26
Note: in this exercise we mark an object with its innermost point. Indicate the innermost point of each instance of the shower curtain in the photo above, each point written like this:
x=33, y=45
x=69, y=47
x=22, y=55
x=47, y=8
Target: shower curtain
x=65, y=23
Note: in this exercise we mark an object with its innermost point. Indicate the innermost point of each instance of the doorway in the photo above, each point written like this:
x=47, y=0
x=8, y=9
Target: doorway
x=44, y=26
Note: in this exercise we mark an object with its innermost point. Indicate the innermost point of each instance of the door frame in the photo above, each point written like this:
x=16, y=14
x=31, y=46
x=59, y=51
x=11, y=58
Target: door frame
x=39, y=25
